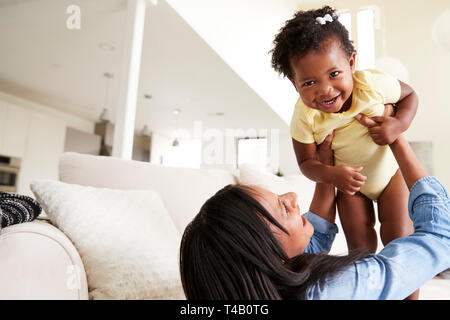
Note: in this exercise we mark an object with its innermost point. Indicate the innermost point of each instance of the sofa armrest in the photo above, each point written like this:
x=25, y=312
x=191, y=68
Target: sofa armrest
x=38, y=261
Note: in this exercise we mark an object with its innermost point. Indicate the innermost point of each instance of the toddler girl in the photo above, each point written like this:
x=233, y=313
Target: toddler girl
x=314, y=51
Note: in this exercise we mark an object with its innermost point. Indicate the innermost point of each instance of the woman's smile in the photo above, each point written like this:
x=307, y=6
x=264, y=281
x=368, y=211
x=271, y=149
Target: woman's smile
x=285, y=210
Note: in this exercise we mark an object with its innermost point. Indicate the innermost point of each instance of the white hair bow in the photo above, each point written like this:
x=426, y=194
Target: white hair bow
x=324, y=19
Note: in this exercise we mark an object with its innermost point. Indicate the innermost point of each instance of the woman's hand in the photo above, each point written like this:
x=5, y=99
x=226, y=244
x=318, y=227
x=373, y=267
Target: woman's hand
x=389, y=110
x=324, y=151
x=383, y=130
x=324, y=203
x=409, y=165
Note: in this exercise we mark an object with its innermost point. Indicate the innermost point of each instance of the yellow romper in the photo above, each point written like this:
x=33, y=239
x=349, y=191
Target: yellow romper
x=352, y=144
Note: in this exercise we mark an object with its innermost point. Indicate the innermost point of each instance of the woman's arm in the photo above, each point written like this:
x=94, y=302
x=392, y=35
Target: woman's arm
x=322, y=211
x=404, y=264
x=409, y=165
x=323, y=203
x=406, y=106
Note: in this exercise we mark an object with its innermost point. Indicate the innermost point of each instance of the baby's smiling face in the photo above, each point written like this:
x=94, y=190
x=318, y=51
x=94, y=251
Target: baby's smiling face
x=324, y=78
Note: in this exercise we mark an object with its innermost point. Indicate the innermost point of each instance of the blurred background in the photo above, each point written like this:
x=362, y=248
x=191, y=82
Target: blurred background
x=205, y=93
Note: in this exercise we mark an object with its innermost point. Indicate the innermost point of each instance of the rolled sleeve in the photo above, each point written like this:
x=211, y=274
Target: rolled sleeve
x=428, y=207
x=320, y=224
x=324, y=234
x=404, y=264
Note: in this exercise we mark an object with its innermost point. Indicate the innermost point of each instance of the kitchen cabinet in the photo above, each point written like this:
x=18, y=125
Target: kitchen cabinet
x=14, y=123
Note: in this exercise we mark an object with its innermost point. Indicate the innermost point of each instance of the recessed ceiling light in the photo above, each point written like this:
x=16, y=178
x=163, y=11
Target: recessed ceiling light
x=217, y=114
x=106, y=46
x=108, y=75
x=176, y=112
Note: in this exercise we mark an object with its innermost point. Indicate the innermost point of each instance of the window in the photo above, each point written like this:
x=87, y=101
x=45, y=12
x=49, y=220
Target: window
x=346, y=19
x=366, y=39
x=365, y=32
x=187, y=153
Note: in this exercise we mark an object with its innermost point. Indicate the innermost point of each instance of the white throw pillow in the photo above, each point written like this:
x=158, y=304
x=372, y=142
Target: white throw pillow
x=126, y=239
x=182, y=190
x=302, y=186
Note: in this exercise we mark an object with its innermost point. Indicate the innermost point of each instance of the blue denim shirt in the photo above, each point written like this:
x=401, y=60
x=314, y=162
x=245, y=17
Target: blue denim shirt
x=403, y=265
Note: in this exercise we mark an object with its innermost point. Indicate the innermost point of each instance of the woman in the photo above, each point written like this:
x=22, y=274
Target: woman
x=248, y=243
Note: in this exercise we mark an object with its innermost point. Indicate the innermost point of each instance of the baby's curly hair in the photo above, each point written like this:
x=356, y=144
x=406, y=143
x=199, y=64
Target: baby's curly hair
x=302, y=34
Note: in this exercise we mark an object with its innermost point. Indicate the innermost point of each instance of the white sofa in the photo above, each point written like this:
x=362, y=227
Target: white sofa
x=36, y=260
x=39, y=261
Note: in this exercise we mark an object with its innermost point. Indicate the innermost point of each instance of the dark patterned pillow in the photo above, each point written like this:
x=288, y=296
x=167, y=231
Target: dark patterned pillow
x=17, y=208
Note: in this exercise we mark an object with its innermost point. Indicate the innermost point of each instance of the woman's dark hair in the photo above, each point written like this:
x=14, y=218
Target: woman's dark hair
x=303, y=34
x=228, y=251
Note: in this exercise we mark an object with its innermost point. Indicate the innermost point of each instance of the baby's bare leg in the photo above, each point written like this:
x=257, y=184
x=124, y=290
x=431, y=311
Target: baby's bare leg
x=393, y=214
x=358, y=220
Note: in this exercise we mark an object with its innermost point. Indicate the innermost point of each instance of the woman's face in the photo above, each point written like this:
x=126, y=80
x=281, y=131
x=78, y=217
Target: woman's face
x=285, y=210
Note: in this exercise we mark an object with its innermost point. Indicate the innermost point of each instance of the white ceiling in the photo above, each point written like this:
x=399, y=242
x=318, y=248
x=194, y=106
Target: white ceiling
x=43, y=61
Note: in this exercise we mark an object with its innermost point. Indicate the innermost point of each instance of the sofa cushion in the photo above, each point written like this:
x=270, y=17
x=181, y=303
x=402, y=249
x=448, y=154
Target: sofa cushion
x=126, y=239
x=183, y=190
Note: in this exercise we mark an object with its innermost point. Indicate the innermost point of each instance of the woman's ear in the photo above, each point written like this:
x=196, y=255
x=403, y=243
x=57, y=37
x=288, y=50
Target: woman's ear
x=352, y=62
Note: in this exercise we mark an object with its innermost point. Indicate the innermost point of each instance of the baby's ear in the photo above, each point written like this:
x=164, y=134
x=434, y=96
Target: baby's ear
x=352, y=62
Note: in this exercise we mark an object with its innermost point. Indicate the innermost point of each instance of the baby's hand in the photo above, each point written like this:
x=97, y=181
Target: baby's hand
x=383, y=130
x=348, y=179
